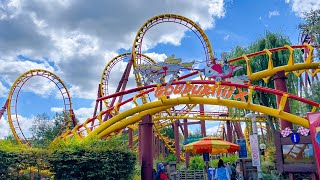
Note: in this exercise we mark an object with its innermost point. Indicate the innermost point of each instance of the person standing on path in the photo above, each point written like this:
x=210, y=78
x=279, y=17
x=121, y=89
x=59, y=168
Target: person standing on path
x=222, y=172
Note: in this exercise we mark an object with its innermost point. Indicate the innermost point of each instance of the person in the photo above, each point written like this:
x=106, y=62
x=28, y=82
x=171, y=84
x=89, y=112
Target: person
x=222, y=172
x=233, y=172
x=161, y=173
x=228, y=167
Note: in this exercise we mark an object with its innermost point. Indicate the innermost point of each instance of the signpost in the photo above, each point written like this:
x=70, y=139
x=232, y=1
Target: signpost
x=206, y=157
x=255, y=152
x=314, y=123
x=295, y=138
x=243, y=153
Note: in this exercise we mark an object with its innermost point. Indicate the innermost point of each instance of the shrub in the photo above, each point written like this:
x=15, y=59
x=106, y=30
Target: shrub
x=196, y=163
x=96, y=159
x=17, y=161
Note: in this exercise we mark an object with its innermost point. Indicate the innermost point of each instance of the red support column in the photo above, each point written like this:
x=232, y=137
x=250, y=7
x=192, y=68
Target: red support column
x=176, y=140
x=130, y=133
x=147, y=141
x=139, y=143
x=158, y=147
x=163, y=147
x=3, y=109
x=185, y=133
x=280, y=84
x=223, y=134
x=229, y=131
x=202, y=123
x=237, y=127
x=121, y=86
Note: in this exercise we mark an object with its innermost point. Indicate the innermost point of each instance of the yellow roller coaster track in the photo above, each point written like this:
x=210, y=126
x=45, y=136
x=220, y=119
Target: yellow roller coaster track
x=104, y=88
x=13, y=102
x=292, y=66
x=129, y=117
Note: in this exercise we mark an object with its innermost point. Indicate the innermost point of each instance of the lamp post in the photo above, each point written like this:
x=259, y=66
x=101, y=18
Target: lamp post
x=254, y=144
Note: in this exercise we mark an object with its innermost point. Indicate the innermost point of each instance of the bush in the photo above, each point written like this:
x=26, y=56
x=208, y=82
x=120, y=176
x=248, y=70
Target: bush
x=196, y=163
x=97, y=159
x=18, y=162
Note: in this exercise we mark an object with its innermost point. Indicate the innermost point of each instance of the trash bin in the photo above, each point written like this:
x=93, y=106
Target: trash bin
x=211, y=173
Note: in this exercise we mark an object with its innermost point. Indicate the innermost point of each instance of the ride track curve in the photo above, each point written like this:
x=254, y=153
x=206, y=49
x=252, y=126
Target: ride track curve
x=104, y=81
x=13, y=102
x=296, y=68
x=131, y=116
x=84, y=131
x=165, y=18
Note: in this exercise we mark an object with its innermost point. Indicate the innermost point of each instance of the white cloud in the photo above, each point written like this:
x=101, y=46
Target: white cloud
x=4, y=128
x=274, y=13
x=213, y=131
x=76, y=42
x=24, y=123
x=226, y=37
x=56, y=109
x=299, y=7
x=83, y=114
x=260, y=18
x=76, y=45
x=3, y=90
x=157, y=57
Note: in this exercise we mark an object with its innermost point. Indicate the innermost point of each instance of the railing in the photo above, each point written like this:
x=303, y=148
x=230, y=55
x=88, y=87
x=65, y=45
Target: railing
x=191, y=175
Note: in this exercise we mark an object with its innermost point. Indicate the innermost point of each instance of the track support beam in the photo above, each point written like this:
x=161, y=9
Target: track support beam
x=3, y=109
x=202, y=123
x=176, y=140
x=280, y=84
x=185, y=133
x=146, y=142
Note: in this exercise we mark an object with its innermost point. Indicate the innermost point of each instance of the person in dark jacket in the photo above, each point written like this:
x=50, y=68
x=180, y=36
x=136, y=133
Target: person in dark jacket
x=161, y=173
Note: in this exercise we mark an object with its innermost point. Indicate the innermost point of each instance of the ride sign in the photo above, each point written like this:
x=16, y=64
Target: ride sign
x=223, y=91
x=255, y=152
x=295, y=138
x=243, y=153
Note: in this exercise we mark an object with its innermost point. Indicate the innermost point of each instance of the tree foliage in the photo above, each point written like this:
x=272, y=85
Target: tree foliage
x=312, y=25
x=44, y=130
x=259, y=63
x=94, y=159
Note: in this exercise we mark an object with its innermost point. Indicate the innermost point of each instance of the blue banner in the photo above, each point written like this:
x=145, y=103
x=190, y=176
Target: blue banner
x=192, y=139
x=243, y=153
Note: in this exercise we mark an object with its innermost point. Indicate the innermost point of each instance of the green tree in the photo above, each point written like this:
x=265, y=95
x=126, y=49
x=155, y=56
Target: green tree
x=313, y=93
x=312, y=25
x=44, y=130
x=259, y=63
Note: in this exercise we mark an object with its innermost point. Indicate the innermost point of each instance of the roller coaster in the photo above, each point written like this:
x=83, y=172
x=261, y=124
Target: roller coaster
x=193, y=92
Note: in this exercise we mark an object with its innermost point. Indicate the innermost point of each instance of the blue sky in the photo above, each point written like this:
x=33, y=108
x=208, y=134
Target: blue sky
x=76, y=45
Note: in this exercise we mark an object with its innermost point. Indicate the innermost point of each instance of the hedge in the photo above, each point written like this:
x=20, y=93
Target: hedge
x=17, y=162
x=97, y=159
x=93, y=164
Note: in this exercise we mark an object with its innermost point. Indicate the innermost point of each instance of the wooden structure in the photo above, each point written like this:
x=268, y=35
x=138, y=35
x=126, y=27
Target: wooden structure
x=292, y=168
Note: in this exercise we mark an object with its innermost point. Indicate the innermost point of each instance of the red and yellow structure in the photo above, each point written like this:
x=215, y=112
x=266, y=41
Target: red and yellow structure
x=108, y=119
